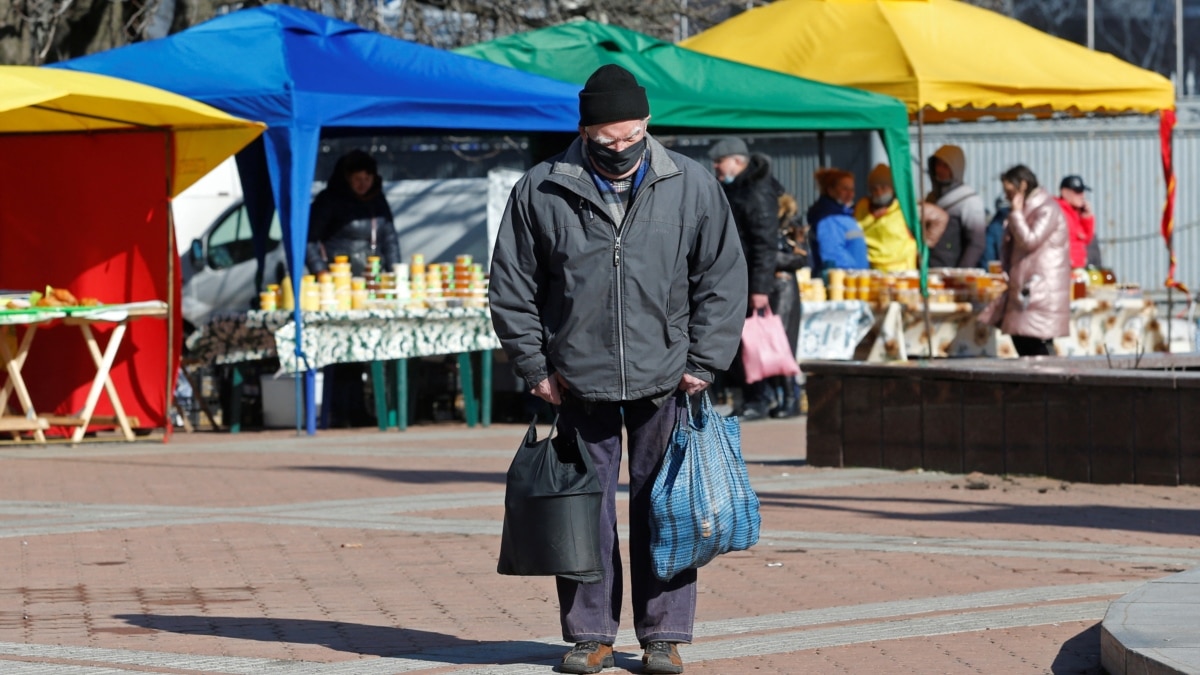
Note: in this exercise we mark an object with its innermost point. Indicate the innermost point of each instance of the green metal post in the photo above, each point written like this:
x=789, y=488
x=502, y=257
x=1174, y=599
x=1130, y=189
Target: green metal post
x=468, y=388
x=379, y=388
x=485, y=386
x=401, y=394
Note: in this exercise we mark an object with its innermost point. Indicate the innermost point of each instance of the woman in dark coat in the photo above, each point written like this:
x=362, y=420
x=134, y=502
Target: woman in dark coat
x=351, y=217
x=790, y=255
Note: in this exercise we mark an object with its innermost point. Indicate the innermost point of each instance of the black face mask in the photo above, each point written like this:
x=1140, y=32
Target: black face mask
x=617, y=163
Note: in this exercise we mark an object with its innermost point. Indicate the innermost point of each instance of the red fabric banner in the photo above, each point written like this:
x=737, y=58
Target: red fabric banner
x=88, y=212
x=1166, y=123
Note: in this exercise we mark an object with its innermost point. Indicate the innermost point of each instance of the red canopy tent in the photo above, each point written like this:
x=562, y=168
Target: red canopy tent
x=88, y=166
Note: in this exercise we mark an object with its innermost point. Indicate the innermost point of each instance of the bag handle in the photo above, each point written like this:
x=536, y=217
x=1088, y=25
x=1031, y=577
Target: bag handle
x=683, y=407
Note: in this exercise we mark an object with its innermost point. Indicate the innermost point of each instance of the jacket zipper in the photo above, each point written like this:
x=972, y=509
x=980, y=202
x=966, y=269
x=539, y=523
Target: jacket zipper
x=620, y=311
x=618, y=232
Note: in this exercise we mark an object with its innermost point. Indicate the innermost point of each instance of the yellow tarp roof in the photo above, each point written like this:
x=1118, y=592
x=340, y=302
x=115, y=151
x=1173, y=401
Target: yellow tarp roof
x=47, y=100
x=943, y=55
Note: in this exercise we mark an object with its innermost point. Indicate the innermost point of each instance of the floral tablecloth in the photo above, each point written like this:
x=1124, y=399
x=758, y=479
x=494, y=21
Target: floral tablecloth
x=342, y=337
x=830, y=331
x=901, y=334
x=1121, y=326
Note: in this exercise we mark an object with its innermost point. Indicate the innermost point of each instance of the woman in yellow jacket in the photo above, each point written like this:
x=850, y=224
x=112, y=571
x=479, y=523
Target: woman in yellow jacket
x=890, y=246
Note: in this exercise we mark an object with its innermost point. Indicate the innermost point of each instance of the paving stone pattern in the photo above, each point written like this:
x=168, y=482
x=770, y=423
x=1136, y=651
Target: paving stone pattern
x=368, y=553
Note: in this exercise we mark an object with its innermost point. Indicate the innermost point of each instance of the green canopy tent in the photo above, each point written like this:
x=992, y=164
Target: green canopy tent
x=689, y=90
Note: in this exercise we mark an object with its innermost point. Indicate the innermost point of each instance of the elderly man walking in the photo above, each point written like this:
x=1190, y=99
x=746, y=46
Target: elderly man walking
x=617, y=282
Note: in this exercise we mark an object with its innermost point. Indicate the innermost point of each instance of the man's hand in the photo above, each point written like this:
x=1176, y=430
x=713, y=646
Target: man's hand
x=550, y=389
x=759, y=301
x=1086, y=208
x=692, y=384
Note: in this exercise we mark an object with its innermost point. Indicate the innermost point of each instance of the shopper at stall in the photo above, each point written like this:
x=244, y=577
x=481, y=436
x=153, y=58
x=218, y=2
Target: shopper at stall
x=1081, y=222
x=791, y=254
x=890, y=245
x=1036, y=255
x=617, y=280
x=351, y=217
x=961, y=243
x=835, y=240
x=751, y=192
x=994, y=238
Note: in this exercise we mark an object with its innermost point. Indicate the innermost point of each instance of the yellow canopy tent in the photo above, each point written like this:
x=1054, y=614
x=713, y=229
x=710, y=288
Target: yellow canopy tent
x=949, y=58
x=49, y=100
x=946, y=60
x=88, y=166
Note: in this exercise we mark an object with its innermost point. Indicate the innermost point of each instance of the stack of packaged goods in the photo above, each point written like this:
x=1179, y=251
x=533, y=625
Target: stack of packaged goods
x=358, y=293
x=418, y=290
x=310, y=293
x=403, y=285
x=327, y=295
x=946, y=286
x=339, y=269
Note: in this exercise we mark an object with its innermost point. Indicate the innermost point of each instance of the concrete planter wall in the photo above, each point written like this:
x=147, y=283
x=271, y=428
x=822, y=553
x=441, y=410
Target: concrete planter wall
x=1082, y=420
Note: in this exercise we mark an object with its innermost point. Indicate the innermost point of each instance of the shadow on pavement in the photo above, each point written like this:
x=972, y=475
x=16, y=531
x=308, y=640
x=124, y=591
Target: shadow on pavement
x=1131, y=518
x=1080, y=655
x=383, y=641
x=411, y=476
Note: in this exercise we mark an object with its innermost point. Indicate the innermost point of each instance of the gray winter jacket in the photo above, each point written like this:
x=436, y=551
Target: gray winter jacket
x=620, y=314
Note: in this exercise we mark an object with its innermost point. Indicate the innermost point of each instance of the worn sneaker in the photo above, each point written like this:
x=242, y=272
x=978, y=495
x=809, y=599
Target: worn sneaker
x=662, y=658
x=588, y=657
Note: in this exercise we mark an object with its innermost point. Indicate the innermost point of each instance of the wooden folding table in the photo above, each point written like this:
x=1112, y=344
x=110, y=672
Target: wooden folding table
x=119, y=315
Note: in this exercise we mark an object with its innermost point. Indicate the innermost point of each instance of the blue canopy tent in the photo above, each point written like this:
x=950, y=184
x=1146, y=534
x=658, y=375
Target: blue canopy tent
x=301, y=72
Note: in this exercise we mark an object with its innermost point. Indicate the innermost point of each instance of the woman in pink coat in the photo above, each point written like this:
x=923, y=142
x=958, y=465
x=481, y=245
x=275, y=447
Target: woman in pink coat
x=1036, y=254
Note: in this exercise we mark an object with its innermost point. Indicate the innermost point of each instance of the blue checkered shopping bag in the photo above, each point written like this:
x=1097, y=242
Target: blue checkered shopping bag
x=701, y=504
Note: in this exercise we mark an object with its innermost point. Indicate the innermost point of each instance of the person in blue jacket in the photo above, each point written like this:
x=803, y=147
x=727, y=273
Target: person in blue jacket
x=837, y=240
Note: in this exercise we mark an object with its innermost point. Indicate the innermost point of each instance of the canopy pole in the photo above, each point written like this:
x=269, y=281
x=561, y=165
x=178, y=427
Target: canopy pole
x=920, y=223
x=172, y=374
x=821, y=159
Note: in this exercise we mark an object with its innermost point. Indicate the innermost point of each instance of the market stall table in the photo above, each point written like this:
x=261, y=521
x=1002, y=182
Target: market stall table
x=1098, y=327
x=356, y=336
x=119, y=315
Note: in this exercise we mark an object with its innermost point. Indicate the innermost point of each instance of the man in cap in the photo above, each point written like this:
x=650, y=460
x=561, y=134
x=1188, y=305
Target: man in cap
x=617, y=283
x=962, y=242
x=1081, y=222
x=753, y=198
x=890, y=245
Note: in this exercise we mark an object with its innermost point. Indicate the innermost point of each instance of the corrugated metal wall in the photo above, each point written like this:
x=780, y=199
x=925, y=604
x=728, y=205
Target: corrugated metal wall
x=1120, y=160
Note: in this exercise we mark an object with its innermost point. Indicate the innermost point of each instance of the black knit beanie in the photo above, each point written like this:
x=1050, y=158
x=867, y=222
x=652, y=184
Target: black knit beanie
x=612, y=94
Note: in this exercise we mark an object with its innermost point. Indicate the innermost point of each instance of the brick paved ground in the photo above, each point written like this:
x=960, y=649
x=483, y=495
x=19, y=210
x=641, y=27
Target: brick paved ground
x=370, y=553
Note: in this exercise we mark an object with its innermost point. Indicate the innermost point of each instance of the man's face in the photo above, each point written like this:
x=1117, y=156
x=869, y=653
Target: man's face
x=616, y=136
x=881, y=193
x=728, y=167
x=1075, y=199
x=941, y=171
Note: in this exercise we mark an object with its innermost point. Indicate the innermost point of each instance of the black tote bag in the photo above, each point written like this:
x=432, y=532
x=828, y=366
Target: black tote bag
x=552, y=510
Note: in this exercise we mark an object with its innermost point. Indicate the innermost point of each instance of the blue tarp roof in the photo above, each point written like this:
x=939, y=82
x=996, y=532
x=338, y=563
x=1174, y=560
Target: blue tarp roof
x=299, y=72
